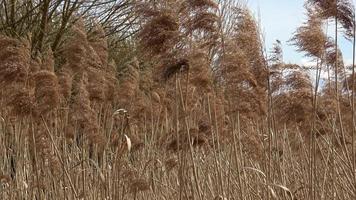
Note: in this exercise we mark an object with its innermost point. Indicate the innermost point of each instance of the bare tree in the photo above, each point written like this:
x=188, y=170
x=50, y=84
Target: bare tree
x=45, y=22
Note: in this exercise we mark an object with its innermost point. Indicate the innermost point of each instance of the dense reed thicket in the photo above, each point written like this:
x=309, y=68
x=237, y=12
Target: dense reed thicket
x=189, y=105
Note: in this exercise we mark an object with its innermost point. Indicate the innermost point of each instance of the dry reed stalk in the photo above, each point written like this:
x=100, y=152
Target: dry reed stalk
x=60, y=159
x=353, y=138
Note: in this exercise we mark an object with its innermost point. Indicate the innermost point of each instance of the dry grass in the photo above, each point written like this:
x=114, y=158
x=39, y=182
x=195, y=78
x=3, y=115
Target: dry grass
x=195, y=114
x=233, y=170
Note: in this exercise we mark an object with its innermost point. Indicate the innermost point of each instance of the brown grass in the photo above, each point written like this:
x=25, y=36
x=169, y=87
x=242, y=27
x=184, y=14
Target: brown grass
x=195, y=113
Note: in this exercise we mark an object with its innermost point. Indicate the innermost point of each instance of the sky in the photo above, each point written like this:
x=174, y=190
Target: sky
x=279, y=20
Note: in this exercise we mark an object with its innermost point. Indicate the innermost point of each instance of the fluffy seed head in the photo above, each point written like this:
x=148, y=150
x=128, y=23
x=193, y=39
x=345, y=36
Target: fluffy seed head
x=46, y=91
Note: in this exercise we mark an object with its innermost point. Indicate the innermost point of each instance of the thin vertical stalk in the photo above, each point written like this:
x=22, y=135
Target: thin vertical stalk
x=60, y=159
x=218, y=159
x=338, y=119
x=270, y=133
x=313, y=131
x=353, y=103
x=180, y=165
x=237, y=159
x=189, y=139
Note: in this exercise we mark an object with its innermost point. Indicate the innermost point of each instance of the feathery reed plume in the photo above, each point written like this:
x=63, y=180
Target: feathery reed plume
x=310, y=37
x=85, y=56
x=276, y=57
x=246, y=36
x=29, y=93
x=98, y=41
x=241, y=83
x=14, y=61
x=46, y=92
x=76, y=47
x=82, y=115
x=111, y=82
x=129, y=83
x=65, y=82
x=96, y=85
x=327, y=100
x=205, y=4
x=19, y=100
x=75, y=57
x=298, y=81
x=96, y=64
x=330, y=57
x=236, y=68
x=276, y=67
x=196, y=139
x=341, y=9
x=174, y=66
x=200, y=71
x=204, y=22
x=295, y=100
x=134, y=92
x=199, y=20
x=160, y=32
x=167, y=30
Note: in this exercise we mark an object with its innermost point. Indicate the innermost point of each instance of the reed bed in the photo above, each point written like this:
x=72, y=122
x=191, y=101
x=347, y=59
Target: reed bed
x=192, y=107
